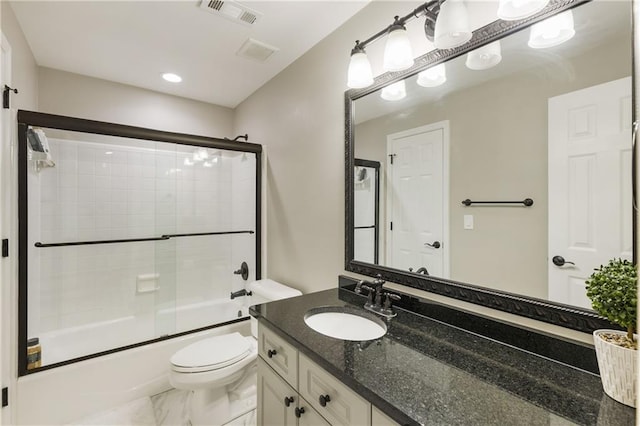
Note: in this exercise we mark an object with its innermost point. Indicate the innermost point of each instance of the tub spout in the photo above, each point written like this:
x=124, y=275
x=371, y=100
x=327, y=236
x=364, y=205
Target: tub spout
x=239, y=293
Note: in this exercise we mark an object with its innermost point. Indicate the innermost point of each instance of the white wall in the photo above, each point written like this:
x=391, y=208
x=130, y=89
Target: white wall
x=80, y=96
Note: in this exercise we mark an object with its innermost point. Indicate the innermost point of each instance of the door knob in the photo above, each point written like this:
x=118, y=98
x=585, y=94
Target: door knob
x=559, y=261
x=435, y=244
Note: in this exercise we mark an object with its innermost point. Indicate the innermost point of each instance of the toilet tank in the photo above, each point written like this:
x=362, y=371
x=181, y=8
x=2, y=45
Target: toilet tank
x=263, y=291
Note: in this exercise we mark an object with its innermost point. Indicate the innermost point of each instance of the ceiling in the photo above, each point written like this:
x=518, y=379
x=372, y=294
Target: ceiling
x=134, y=42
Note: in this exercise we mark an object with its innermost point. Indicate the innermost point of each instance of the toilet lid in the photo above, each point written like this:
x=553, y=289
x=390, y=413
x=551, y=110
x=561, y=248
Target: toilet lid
x=212, y=353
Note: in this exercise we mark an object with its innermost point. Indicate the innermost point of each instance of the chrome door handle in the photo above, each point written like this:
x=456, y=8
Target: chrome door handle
x=435, y=244
x=559, y=261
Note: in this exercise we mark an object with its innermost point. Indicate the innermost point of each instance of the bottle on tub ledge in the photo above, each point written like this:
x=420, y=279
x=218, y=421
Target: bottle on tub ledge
x=34, y=353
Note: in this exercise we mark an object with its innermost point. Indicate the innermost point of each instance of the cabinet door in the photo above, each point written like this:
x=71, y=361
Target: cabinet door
x=279, y=355
x=272, y=391
x=340, y=405
x=378, y=418
x=310, y=417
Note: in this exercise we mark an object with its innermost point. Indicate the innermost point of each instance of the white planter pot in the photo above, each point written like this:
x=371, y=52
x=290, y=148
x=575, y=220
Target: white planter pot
x=617, y=368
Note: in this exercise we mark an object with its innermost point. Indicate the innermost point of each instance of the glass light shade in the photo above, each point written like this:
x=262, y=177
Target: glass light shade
x=394, y=92
x=359, y=74
x=553, y=31
x=398, y=54
x=485, y=57
x=452, y=25
x=433, y=77
x=512, y=10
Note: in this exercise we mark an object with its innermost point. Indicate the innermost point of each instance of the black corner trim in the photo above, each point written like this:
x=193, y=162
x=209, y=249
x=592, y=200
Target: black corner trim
x=5, y=397
x=5, y=248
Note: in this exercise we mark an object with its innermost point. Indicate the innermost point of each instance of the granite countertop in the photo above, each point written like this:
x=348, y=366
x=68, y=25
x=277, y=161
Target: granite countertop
x=424, y=371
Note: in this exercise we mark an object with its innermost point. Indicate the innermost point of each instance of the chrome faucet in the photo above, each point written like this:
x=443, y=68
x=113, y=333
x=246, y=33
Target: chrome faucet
x=375, y=295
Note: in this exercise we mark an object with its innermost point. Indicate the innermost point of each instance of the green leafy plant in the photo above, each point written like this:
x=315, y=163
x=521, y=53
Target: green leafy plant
x=613, y=290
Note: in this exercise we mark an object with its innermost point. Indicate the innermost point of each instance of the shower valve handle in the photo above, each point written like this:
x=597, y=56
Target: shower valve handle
x=243, y=271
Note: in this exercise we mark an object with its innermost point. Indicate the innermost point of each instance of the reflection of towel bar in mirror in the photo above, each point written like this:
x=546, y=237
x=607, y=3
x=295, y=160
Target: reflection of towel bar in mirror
x=527, y=202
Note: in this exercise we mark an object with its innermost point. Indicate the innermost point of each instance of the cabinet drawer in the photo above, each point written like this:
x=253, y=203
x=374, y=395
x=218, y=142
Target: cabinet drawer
x=280, y=355
x=342, y=406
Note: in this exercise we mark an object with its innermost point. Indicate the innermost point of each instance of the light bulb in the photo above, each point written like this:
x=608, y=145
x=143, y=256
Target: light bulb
x=359, y=74
x=452, y=25
x=512, y=10
x=394, y=92
x=398, y=55
x=552, y=31
x=485, y=57
x=432, y=77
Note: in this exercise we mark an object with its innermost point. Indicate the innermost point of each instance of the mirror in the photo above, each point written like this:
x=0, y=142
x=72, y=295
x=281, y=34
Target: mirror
x=504, y=186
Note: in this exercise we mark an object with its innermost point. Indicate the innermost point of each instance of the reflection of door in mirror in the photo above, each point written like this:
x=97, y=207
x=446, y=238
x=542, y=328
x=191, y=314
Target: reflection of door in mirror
x=589, y=185
x=366, y=231
x=417, y=208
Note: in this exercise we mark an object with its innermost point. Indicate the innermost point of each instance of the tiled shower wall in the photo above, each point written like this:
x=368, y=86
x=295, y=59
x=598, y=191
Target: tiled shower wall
x=123, y=189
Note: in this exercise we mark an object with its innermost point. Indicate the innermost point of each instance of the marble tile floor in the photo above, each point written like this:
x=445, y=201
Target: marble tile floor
x=164, y=409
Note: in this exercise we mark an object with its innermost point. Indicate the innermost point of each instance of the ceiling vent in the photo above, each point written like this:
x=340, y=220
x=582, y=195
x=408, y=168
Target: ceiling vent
x=231, y=10
x=256, y=50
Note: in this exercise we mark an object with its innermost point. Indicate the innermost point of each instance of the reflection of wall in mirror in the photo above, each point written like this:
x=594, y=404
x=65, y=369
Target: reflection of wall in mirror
x=499, y=151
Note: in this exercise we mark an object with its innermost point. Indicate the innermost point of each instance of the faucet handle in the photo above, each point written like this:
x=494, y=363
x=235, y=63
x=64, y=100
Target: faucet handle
x=389, y=297
x=371, y=291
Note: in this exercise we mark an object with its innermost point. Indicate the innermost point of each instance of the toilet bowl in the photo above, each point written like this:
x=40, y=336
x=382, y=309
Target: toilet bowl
x=220, y=371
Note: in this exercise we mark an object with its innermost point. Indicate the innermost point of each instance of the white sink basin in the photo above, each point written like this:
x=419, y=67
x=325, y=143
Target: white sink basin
x=344, y=323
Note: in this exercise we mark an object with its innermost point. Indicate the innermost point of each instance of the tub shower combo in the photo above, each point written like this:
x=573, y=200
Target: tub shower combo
x=130, y=236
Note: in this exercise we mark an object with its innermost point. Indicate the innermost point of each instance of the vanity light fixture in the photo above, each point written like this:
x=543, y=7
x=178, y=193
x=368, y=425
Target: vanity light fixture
x=433, y=77
x=398, y=55
x=359, y=74
x=485, y=57
x=446, y=25
x=513, y=10
x=553, y=31
x=171, y=77
x=394, y=92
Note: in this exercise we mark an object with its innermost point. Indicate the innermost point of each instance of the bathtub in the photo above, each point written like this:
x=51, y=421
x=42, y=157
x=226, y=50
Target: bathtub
x=74, y=342
x=67, y=393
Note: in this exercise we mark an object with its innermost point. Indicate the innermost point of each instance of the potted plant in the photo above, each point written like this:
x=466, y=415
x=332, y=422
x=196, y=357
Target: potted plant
x=613, y=290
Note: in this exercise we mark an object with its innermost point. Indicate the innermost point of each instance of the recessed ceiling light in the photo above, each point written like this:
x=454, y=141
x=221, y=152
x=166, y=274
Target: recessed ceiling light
x=171, y=77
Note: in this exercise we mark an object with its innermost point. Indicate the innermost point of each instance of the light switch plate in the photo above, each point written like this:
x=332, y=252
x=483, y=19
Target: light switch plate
x=468, y=221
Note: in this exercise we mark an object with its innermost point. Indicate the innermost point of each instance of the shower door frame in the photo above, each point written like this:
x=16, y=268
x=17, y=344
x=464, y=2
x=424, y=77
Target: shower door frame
x=59, y=122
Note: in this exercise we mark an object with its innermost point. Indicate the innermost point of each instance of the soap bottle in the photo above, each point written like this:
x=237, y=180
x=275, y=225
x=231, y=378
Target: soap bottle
x=34, y=353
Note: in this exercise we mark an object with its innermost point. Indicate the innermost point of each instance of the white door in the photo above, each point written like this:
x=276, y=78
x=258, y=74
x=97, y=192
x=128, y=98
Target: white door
x=590, y=214
x=417, y=199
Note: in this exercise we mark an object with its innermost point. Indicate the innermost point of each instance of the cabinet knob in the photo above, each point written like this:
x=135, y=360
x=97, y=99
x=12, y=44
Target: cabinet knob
x=299, y=411
x=288, y=400
x=324, y=399
x=271, y=353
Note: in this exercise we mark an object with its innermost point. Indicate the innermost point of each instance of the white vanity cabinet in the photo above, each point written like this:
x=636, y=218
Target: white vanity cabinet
x=293, y=390
x=279, y=404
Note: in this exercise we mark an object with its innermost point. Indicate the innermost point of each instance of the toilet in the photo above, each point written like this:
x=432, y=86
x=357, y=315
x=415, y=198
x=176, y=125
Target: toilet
x=220, y=371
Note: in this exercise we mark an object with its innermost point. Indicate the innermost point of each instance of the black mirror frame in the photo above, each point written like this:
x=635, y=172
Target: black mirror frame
x=542, y=310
